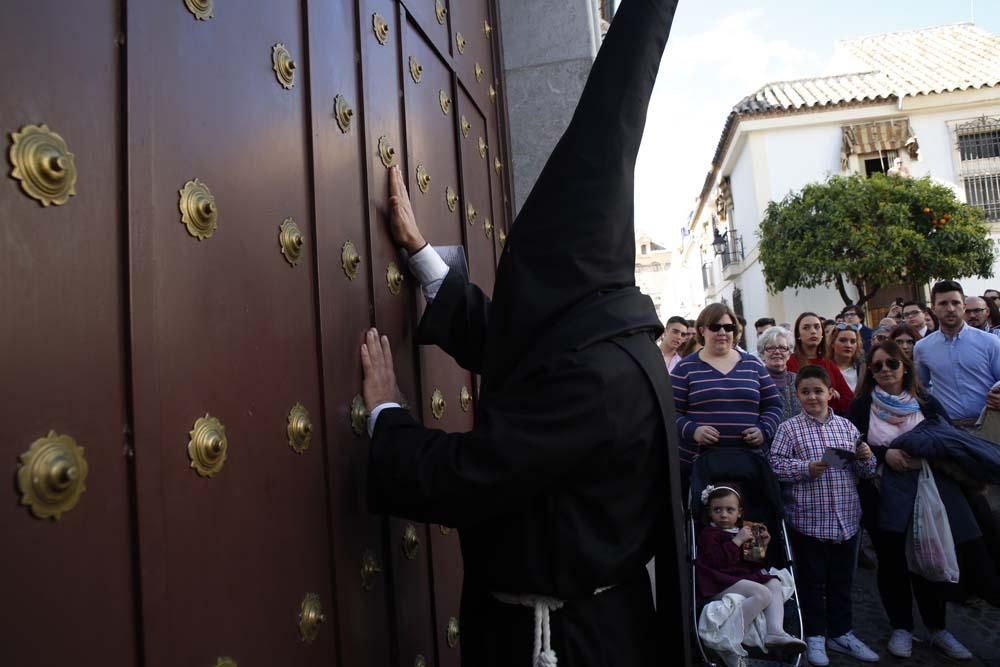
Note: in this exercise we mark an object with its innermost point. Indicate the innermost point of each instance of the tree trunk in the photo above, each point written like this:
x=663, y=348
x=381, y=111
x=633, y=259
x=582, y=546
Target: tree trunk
x=865, y=296
x=843, y=291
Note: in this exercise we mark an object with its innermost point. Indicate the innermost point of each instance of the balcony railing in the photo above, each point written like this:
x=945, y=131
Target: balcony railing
x=734, y=251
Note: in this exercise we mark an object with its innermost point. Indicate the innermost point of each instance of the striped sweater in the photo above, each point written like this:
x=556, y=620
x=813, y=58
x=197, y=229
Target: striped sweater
x=738, y=400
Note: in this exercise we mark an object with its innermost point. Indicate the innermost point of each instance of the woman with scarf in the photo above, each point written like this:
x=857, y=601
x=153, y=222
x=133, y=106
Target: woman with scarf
x=889, y=403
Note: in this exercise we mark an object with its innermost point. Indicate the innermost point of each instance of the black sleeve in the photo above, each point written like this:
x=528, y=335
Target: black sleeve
x=855, y=413
x=456, y=321
x=532, y=442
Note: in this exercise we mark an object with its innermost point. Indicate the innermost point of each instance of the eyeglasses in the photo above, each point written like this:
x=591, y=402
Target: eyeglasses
x=975, y=310
x=843, y=326
x=891, y=364
x=913, y=313
x=716, y=327
x=771, y=349
x=880, y=338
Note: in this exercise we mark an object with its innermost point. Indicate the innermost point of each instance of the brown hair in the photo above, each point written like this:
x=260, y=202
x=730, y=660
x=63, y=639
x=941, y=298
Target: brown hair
x=901, y=329
x=800, y=354
x=911, y=383
x=720, y=492
x=711, y=314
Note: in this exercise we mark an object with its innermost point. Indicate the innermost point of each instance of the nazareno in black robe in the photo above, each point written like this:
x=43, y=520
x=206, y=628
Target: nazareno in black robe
x=569, y=480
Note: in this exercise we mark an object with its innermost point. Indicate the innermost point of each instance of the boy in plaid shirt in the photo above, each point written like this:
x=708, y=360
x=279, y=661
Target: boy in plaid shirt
x=824, y=514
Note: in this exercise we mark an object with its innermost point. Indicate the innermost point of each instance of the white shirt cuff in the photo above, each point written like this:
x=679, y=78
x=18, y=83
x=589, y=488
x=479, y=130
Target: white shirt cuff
x=428, y=267
x=373, y=417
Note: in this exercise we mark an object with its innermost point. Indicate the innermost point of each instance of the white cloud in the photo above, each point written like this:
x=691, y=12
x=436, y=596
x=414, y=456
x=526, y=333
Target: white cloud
x=702, y=76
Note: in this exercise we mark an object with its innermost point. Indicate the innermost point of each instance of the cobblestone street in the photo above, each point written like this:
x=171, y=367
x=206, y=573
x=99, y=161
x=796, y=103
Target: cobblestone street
x=976, y=627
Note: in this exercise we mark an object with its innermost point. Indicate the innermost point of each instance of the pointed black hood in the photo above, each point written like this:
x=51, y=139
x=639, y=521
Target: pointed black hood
x=569, y=263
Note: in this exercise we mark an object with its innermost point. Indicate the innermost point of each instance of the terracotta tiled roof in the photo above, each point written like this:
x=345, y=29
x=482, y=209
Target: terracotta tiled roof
x=819, y=92
x=890, y=66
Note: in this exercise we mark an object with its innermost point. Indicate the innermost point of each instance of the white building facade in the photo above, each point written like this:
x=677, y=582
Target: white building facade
x=652, y=271
x=928, y=97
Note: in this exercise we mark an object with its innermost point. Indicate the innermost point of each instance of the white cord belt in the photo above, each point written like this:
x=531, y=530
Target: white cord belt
x=543, y=655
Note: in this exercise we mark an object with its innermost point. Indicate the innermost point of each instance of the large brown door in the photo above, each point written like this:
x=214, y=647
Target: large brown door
x=191, y=314
x=225, y=328
x=67, y=582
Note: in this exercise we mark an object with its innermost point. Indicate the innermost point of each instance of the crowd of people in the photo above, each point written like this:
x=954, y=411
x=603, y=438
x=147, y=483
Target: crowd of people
x=910, y=395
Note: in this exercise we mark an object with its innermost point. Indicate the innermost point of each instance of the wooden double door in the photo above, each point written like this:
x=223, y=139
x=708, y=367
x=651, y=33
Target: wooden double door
x=193, y=239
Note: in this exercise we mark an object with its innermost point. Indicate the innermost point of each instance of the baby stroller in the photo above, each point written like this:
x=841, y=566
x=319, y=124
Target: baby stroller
x=762, y=502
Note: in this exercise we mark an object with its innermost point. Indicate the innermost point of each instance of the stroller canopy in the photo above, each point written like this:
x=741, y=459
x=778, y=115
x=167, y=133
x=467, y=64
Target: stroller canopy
x=761, y=491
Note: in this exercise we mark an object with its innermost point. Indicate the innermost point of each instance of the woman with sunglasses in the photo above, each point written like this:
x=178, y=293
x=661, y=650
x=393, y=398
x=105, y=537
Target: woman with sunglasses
x=847, y=351
x=891, y=402
x=905, y=336
x=723, y=397
x=810, y=350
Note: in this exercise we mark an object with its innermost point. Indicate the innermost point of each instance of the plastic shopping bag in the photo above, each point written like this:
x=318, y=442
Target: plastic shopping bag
x=930, y=549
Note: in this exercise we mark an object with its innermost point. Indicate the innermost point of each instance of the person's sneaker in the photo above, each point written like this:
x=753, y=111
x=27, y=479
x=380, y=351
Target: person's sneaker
x=945, y=642
x=785, y=641
x=901, y=643
x=816, y=651
x=853, y=647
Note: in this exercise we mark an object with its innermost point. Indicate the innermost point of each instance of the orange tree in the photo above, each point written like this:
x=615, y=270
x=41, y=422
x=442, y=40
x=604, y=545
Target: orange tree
x=872, y=232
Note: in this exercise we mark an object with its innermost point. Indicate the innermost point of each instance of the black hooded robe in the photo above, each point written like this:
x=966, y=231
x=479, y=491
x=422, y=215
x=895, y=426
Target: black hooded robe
x=569, y=481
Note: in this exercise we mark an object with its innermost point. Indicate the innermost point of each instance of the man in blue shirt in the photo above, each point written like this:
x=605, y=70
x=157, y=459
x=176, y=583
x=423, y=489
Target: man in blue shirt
x=958, y=363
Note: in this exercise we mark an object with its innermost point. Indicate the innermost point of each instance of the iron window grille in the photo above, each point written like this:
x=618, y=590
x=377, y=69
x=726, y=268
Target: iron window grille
x=978, y=145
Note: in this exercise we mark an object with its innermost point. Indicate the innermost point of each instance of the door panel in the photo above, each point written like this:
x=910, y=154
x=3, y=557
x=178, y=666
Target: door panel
x=341, y=218
x=224, y=326
x=470, y=19
x=481, y=230
x=63, y=330
x=431, y=21
x=393, y=304
x=430, y=133
x=441, y=373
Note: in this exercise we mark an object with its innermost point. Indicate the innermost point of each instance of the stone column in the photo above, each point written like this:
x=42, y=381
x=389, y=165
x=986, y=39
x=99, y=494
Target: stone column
x=549, y=48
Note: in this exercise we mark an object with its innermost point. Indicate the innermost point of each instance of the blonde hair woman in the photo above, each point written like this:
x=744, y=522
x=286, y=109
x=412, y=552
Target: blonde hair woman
x=846, y=349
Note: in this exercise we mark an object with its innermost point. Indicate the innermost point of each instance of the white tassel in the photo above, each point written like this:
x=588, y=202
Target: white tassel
x=543, y=656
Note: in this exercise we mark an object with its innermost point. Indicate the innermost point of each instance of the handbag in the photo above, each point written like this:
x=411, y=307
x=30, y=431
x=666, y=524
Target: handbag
x=930, y=549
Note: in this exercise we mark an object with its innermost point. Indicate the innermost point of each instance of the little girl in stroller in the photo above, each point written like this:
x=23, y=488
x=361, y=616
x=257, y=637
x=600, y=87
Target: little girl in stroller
x=753, y=495
x=721, y=569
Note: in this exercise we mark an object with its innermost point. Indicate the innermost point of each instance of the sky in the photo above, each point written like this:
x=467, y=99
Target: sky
x=720, y=51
